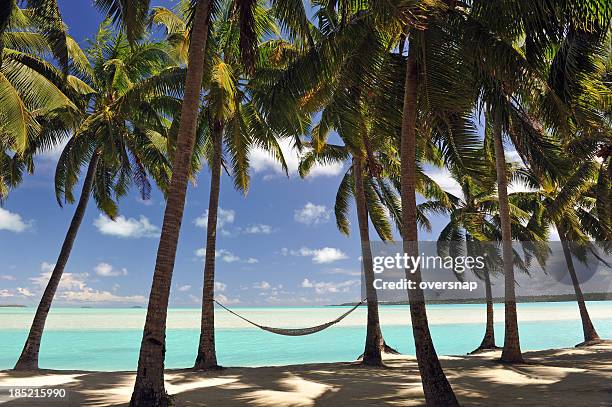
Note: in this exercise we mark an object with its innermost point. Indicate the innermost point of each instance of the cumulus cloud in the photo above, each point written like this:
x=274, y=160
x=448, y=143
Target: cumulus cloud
x=262, y=285
x=73, y=287
x=225, y=256
x=258, y=229
x=323, y=287
x=219, y=286
x=319, y=256
x=25, y=292
x=127, y=227
x=224, y=217
x=7, y=277
x=263, y=162
x=445, y=180
x=312, y=214
x=184, y=288
x=107, y=270
x=13, y=222
x=6, y=294
x=227, y=301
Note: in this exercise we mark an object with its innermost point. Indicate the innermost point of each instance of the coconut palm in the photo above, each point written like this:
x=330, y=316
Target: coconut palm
x=116, y=137
x=569, y=205
x=149, y=388
x=33, y=92
x=523, y=98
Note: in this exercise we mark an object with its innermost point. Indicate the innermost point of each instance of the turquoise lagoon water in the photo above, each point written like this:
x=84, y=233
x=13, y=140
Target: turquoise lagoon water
x=111, y=339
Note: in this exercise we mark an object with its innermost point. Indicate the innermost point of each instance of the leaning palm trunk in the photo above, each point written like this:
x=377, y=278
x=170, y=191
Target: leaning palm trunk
x=207, y=356
x=588, y=329
x=29, y=355
x=374, y=343
x=149, y=390
x=438, y=391
x=511, y=352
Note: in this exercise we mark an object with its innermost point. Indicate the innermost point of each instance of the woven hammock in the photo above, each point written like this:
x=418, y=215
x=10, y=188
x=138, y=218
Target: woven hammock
x=294, y=332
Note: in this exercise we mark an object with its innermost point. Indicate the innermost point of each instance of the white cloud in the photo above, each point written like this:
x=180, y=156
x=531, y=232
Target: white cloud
x=73, y=288
x=224, y=217
x=445, y=180
x=319, y=256
x=312, y=214
x=12, y=222
x=107, y=270
x=5, y=294
x=69, y=281
x=126, y=228
x=55, y=152
x=258, y=229
x=47, y=267
x=7, y=277
x=227, y=301
x=329, y=287
x=225, y=256
x=262, y=285
x=262, y=162
x=184, y=288
x=219, y=286
x=25, y=292
x=90, y=295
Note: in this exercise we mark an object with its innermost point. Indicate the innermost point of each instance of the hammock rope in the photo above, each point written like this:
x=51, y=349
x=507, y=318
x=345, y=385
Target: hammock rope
x=295, y=331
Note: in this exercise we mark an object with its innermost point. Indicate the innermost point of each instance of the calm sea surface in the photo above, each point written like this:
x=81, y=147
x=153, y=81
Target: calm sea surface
x=109, y=339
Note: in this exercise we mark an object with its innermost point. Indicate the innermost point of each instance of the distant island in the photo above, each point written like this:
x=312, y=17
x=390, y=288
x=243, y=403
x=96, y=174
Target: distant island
x=13, y=306
x=519, y=299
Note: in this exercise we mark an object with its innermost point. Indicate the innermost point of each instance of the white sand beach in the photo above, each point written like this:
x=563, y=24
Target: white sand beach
x=563, y=377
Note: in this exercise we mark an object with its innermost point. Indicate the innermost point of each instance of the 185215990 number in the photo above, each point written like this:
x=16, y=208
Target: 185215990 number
x=37, y=392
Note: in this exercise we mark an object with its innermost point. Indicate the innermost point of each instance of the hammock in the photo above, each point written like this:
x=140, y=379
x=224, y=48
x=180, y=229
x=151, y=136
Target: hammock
x=294, y=332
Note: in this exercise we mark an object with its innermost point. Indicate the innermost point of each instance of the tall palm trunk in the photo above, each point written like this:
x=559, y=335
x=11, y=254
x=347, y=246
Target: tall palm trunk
x=374, y=340
x=438, y=391
x=511, y=352
x=149, y=390
x=588, y=329
x=207, y=356
x=29, y=355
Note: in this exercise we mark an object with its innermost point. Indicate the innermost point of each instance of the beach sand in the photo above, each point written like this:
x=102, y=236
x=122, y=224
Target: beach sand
x=559, y=377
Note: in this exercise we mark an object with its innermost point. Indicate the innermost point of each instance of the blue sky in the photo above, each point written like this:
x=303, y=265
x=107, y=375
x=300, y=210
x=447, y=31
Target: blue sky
x=277, y=246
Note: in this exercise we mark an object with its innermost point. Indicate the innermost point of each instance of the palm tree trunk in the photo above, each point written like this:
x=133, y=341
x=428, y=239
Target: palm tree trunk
x=207, y=356
x=438, y=391
x=29, y=355
x=588, y=329
x=374, y=343
x=511, y=352
x=488, y=341
x=149, y=390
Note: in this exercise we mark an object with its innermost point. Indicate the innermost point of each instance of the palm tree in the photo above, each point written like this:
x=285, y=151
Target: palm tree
x=33, y=92
x=568, y=205
x=114, y=138
x=234, y=124
x=149, y=387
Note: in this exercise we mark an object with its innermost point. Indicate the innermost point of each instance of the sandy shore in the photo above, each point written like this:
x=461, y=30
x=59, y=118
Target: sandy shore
x=562, y=377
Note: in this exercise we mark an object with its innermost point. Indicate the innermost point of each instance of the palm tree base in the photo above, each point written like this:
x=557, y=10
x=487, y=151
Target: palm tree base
x=592, y=342
x=26, y=364
x=146, y=398
x=484, y=348
x=208, y=367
